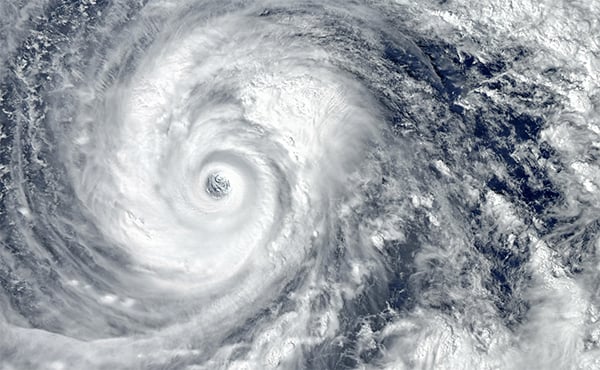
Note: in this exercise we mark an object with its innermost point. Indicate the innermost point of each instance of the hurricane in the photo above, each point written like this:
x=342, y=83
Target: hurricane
x=203, y=184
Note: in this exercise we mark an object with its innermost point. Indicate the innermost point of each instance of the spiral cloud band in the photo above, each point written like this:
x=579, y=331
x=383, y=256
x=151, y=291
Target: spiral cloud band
x=290, y=184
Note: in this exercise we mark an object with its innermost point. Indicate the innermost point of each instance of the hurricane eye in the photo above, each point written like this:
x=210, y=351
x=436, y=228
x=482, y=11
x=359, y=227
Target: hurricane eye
x=217, y=185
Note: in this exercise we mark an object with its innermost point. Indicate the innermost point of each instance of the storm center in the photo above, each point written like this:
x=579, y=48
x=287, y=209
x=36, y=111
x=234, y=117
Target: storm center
x=217, y=185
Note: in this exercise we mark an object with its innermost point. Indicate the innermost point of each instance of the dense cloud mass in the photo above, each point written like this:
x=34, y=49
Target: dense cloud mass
x=299, y=185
